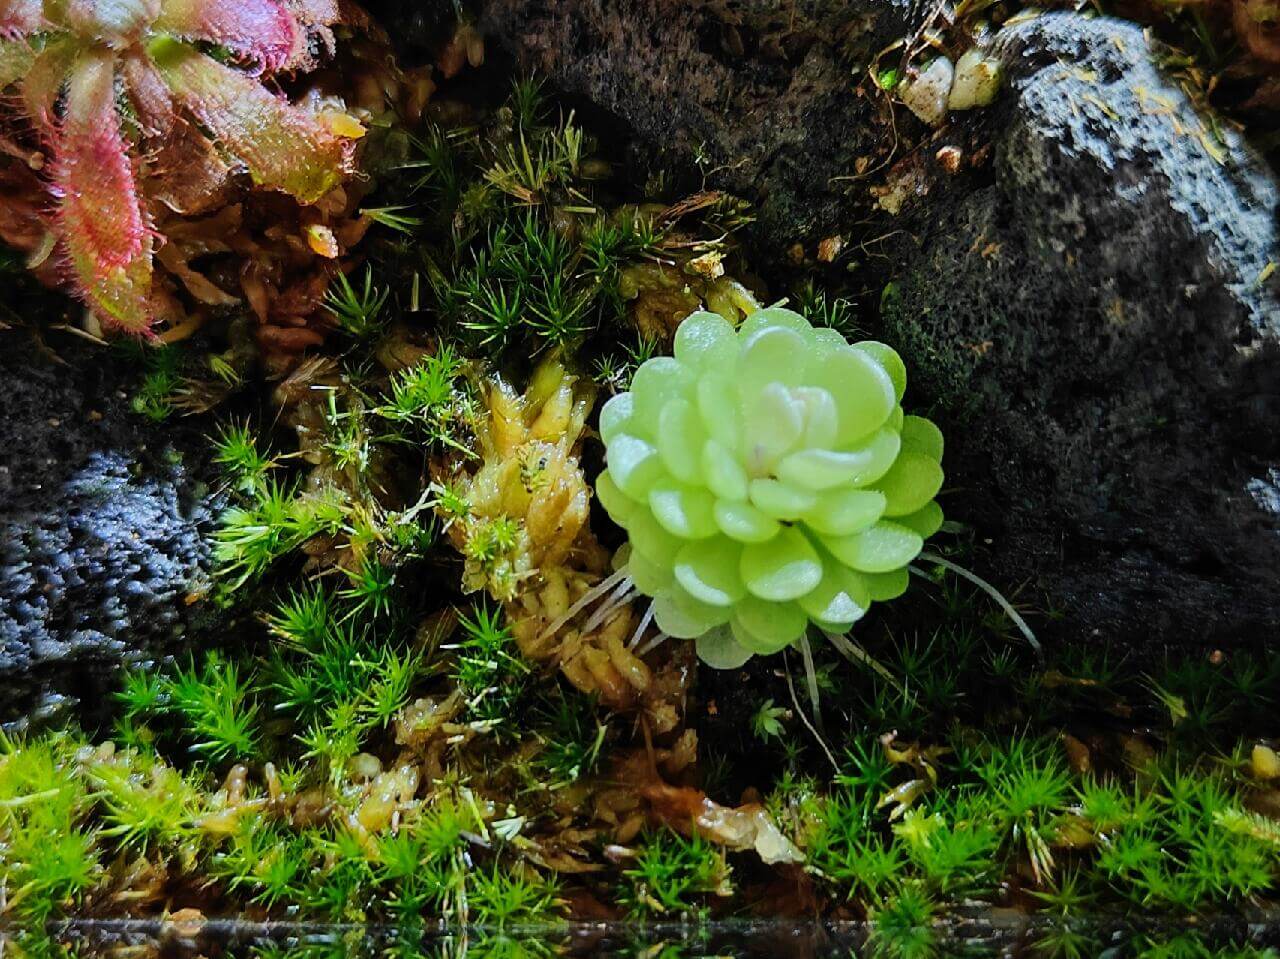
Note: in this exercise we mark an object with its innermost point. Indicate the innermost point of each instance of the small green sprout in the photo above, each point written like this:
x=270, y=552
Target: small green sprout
x=571, y=739
x=902, y=925
x=219, y=707
x=370, y=588
x=357, y=310
x=236, y=452
x=276, y=521
x=834, y=313
x=145, y=803
x=889, y=79
x=393, y=218
x=449, y=501
x=498, y=898
x=488, y=667
x=158, y=392
x=766, y=722
x=672, y=874
x=528, y=102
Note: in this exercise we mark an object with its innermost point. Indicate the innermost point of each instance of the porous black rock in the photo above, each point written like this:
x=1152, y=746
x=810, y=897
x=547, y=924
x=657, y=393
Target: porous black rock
x=103, y=524
x=750, y=96
x=1094, y=311
x=1083, y=279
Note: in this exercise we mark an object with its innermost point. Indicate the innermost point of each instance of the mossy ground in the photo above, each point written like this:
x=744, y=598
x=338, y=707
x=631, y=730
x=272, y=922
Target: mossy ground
x=381, y=747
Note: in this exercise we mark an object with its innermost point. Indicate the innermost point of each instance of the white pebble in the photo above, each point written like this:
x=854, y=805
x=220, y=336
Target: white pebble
x=977, y=80
x=926, y=93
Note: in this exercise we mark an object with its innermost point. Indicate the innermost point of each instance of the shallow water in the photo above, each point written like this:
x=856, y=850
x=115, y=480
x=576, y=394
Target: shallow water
x=1003, y=935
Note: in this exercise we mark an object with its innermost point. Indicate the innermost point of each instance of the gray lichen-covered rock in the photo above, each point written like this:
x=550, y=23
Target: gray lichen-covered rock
x=1096, y=312
x=102, y=526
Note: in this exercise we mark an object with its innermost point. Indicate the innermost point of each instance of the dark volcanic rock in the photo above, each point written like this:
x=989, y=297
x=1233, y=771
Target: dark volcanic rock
x=1087, y=309
x=755, y=94
x=1093, y=313
x=101, y=529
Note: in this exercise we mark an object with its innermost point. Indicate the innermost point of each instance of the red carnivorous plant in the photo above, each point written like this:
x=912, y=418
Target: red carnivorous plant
x=100, y=80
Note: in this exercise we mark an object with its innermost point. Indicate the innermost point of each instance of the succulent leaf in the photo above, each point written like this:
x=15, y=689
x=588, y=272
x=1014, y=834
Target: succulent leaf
x=259, y=30
x=102, y=220
x=768, y=479
x=283, y=148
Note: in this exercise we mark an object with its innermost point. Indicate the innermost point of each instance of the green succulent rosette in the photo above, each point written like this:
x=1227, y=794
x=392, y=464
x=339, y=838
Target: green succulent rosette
x=768, y=479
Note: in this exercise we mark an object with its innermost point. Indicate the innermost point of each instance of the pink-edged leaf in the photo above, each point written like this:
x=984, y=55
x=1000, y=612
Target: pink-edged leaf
x=263, y=31
x=16, y=58
x=314, y=17
x=149, y=95
x=316, y=13
x=283, y=148
x=101, y=218
x=20, y=18
x=110, y=20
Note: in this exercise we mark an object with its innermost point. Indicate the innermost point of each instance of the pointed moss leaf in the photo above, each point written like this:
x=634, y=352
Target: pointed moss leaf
x=719, y=650
x=744, y=522
x=723, y=473
x=781, y=500
x=683, y=511
x=765, y=628
x=926, y=521
x=680, y=441
x=615, y=502
x=889, y=361
x=706, y=341
x=782, y=569
x=912, y=481
x=920, y=435
x=842, y=597
x=634, y=465
x=880, y=549
x=843, y=512
x=708, y=570
x=861, y=388
x=615, y=417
